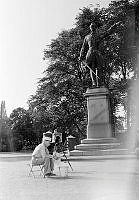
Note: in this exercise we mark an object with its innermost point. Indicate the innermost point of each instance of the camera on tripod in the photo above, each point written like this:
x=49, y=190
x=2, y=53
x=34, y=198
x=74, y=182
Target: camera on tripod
x=56, y=144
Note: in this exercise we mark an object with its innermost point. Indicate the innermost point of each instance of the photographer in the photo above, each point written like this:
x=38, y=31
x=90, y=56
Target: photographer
x=41, y=155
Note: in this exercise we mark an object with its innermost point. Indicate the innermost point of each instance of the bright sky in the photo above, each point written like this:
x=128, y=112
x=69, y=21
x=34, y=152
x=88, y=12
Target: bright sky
x=26, y=27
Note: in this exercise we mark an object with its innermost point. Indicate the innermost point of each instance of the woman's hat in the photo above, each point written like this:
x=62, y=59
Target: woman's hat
x=47, y=134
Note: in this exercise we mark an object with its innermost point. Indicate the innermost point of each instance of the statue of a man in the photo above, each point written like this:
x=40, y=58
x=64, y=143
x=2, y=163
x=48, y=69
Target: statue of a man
x=93, y=58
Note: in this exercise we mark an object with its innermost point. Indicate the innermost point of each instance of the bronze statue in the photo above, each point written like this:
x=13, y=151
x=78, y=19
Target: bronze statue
x=93, y=58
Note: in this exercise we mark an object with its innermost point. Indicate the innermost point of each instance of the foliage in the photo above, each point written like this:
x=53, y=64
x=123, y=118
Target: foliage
x=61, y=89
x=21, y=128
x=4, y=129
x=4, y=135
x=59, y=99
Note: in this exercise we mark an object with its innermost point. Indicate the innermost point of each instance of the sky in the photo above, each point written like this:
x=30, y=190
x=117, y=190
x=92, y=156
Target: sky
x=26, y=28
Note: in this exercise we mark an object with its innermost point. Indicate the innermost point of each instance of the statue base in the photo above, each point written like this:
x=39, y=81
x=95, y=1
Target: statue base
x=99, y=112
x=99, y=140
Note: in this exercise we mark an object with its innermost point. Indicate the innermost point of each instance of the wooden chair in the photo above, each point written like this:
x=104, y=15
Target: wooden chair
x=35, y=168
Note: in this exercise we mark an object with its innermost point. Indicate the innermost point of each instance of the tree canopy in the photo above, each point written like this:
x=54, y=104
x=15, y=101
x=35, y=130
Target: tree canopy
x=59, y=96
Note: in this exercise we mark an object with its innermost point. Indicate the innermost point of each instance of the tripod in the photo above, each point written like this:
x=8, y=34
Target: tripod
x=61, y=149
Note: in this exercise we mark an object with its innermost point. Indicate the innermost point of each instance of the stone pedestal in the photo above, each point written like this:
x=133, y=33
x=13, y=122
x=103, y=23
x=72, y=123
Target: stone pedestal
x=99, y=140
x=99, y=124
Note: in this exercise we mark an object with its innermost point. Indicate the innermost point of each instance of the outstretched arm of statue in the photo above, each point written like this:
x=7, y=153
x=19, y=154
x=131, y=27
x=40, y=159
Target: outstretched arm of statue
x=113, y=27
x=111, y=30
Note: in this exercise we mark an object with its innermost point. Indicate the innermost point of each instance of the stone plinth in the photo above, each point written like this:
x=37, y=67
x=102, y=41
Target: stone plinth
x=99, y=140
x=99, y=124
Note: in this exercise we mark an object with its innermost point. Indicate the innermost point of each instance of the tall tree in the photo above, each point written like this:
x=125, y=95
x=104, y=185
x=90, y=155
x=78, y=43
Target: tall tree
x=60, y=91
x=21, y=128
x=5, y=144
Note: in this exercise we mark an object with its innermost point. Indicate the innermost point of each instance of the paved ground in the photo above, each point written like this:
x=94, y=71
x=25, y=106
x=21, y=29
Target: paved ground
x=92, y=179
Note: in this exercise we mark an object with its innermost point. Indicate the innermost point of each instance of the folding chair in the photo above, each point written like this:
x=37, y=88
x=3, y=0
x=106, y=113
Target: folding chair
x=38, y=168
